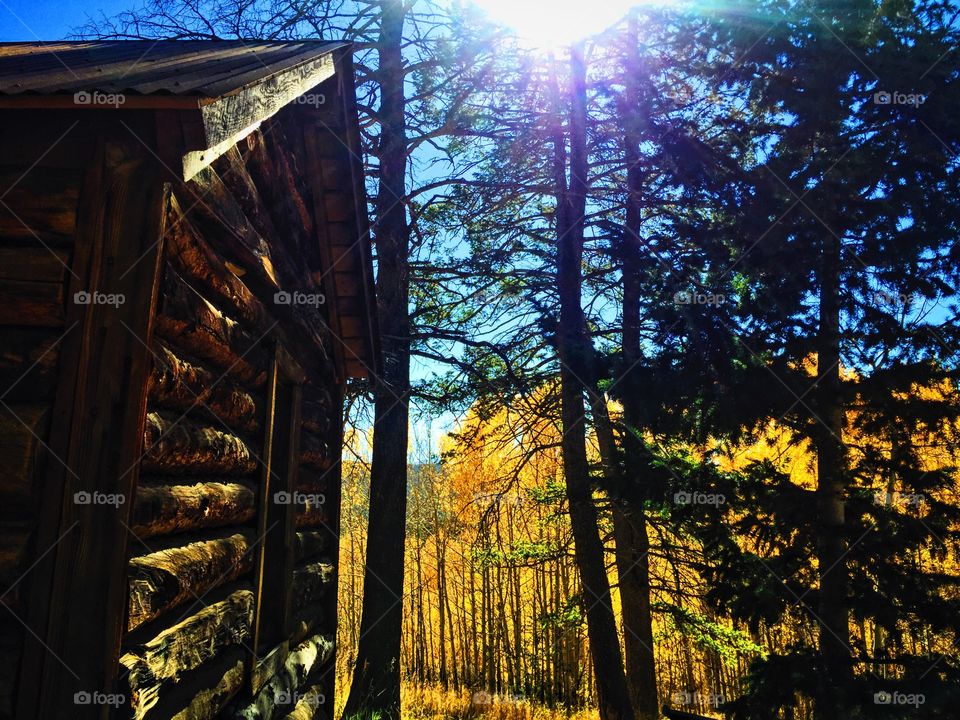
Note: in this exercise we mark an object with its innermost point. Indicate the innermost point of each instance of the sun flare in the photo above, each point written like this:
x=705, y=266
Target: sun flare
x=556, y=23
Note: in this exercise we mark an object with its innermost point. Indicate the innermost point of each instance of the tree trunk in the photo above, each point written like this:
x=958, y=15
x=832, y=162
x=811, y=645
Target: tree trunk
x=630, y=523
x=831, y=537
x=376, y=679
x=575, y=351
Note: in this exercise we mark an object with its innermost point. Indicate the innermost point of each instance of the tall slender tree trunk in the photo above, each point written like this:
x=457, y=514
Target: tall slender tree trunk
x=376, y=678
x=831, y=537
x=630, y=522
x=441, y=600
x=633, y=570
x=575, y=350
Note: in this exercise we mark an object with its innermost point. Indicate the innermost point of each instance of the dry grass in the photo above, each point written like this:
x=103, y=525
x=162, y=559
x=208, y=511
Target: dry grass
x=435, y=703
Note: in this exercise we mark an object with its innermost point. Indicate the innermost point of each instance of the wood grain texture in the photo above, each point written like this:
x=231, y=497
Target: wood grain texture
x=173, y=445
x=164, y=579
x=182, y=385
x=41, y=203
x=154, y=667
x=283, y=690
x=28, y=363
x=32, y=303
x=23, y=429
x=191, y=323
x=161, y=508
x=194, y=258
x=218, y=216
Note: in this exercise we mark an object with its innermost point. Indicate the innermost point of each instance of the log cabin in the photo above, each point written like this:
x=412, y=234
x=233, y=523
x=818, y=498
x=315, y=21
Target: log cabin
x=185, y=289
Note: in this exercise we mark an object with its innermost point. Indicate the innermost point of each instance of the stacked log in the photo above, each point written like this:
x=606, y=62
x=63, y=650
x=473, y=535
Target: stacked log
x=162, y=508
x=164, y=579
x=288, y=686
x=173, y=445
x=213, y=638
x=179, y=384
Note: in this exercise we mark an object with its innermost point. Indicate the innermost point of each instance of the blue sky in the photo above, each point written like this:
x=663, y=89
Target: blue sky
x=49, y=19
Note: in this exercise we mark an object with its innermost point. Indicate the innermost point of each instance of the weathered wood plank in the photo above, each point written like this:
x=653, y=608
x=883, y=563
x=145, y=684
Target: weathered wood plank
x=84, y=625
x=281, y=691
x=311, y=582
x=185, y=647
x=28, y=363
x=32, y=304
x=176, y=446
x=33, y=262
x=39, y=203
x=237, y=111
x=190, y=322
x=22, y=429
x=161, y=509
x=164, y=579
x=182, y=385
x=194, y=258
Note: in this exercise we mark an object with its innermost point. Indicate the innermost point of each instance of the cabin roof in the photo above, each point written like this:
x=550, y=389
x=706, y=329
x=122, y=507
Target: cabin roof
x=186, y=69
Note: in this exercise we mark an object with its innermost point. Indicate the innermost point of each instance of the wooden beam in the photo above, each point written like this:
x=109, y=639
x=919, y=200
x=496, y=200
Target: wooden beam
x=227, y=117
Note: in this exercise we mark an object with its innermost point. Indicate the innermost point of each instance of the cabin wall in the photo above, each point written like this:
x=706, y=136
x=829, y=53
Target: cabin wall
x=232, y=558
x=80, y=228
x=38, y=218
x=209, y=403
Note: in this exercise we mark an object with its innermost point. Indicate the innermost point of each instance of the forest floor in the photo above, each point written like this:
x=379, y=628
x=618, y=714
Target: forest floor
x=435, y=703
